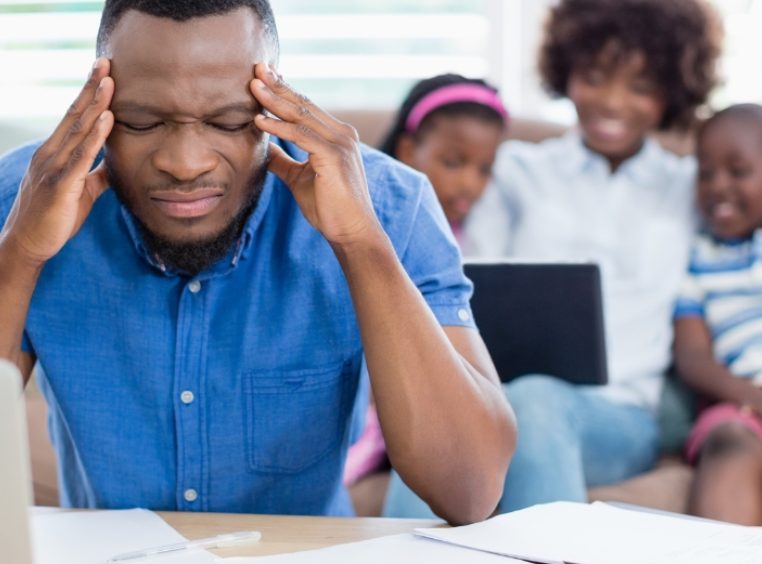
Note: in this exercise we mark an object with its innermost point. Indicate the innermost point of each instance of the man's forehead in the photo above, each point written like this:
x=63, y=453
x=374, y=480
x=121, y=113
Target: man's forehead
x=186, y=67
x=230, y=38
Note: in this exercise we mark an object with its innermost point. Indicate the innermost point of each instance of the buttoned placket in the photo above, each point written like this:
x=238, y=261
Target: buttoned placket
x=189, y=386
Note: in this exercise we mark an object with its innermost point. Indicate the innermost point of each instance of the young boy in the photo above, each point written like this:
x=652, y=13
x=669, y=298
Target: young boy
x=718, y=320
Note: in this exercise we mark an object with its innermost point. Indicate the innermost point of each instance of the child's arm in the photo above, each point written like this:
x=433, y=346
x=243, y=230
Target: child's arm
x=698, y=367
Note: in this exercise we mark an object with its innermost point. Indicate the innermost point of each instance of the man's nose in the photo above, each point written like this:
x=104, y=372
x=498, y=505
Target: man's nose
x=185, y=154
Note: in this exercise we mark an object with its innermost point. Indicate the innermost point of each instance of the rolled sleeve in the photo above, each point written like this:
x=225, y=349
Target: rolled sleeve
x=434, y=263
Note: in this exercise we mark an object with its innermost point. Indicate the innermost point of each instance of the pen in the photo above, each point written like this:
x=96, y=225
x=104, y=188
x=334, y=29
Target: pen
x=219, y=541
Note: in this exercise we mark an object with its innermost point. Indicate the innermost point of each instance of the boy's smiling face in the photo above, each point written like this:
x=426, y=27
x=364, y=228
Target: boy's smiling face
x=730, y=175
x=618, y=103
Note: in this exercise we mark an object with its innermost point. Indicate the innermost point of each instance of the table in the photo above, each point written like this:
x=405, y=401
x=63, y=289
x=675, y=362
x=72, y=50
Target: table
x=281, y=534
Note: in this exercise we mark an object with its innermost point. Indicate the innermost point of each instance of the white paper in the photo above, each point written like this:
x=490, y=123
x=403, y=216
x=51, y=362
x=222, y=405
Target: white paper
x=92, y=537
x=601, y=534
x=395, y=549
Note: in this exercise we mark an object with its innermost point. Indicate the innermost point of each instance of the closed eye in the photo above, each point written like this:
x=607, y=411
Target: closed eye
x=231, y=128
x=138, y=126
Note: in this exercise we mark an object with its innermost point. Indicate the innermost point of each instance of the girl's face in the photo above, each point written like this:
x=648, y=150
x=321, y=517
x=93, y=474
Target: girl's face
x=456, y=153
x=730, y=176
x=618, y=104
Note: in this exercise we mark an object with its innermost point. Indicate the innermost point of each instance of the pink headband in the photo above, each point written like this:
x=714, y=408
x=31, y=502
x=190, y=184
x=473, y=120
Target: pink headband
x=452, y=94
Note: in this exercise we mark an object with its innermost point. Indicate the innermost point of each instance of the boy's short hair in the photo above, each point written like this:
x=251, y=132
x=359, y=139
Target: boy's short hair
x=750, y=113
x=680, y=40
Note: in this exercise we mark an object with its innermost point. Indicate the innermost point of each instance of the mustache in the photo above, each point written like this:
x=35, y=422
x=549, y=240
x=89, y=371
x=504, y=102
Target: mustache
x=183, y=186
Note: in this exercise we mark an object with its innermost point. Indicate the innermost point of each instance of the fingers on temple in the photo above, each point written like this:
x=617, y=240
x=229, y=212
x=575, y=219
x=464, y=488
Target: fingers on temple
x=83, y=154
x=289, y=105
x=72, y=123
x=301, y=134
x=81, y=127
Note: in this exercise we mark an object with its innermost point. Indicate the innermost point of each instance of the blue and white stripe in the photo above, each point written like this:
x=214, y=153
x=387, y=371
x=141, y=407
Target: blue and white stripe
x=724, y=286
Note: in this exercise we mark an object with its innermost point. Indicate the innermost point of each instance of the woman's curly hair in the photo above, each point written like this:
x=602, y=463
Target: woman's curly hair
x=680, y=40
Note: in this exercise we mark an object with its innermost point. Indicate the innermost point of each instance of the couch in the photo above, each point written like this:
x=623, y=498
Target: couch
x=665, y=487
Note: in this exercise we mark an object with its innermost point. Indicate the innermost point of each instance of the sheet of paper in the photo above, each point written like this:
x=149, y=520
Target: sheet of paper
x=600, y=534
x=92, y=537
x=395, y=549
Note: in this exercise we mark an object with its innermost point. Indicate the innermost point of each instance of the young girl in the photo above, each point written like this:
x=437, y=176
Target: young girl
x=718, y=320
x=605, y=192
x=449, y=128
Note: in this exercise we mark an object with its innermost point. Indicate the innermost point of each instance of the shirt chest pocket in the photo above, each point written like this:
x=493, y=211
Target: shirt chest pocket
x=295, y=418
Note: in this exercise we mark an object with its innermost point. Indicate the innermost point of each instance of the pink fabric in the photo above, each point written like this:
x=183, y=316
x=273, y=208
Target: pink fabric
x=457, y=230
x=368, y=453
x=450, y=95
x=713, y=417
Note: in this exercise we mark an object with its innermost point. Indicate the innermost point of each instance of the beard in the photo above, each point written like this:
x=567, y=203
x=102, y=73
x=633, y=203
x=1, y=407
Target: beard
x=189, y=257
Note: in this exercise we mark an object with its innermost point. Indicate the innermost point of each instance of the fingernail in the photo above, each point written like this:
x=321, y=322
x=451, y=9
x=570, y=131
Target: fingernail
x=97, y=63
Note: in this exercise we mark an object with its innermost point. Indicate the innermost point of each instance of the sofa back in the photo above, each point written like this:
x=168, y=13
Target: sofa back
x=372, y=125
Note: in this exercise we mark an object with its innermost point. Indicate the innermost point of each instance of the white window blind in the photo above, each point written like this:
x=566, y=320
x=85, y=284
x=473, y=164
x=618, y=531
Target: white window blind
x=344, y=54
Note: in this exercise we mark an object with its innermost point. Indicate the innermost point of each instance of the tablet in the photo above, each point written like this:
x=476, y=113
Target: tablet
x=541, y=318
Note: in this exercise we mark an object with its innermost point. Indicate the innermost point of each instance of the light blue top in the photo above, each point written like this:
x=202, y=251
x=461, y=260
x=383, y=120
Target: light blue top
x=231, y=391
x=724, y=287
x=560, y=201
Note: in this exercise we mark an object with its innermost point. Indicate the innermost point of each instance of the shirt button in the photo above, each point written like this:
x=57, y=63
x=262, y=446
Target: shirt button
x=187, y=397
x=194, y=287
x=463, y=315
x=190, y=495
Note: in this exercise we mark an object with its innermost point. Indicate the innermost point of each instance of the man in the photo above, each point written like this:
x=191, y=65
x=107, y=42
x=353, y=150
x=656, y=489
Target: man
x=202, y=325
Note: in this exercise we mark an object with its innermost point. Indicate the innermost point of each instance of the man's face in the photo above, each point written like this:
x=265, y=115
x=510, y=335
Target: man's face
x=184, y=154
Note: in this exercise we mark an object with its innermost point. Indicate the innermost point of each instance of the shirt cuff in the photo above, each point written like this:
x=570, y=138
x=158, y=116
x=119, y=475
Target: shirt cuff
x=458, y=315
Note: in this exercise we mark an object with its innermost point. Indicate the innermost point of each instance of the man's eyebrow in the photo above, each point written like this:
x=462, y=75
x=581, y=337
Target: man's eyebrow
x=136, y=107
x=241, y=107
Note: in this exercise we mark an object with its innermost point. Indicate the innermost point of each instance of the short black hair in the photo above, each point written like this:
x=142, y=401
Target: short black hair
x=680, y=40
x=748, y=113
x=426, y=86
x=183, y=10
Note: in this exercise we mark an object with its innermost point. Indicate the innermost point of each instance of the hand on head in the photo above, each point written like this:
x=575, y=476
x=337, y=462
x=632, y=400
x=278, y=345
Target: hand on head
x=59, y=189
x=330, y=186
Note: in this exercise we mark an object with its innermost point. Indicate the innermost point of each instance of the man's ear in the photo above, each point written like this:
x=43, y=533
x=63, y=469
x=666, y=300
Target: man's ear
x=405, y=149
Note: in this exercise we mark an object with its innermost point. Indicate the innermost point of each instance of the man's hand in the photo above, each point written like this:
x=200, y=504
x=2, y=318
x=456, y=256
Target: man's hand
x=58, y=190
x=330, y=187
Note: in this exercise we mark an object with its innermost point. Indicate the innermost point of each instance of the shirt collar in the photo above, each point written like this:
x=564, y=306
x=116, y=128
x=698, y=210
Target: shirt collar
x=579, y=159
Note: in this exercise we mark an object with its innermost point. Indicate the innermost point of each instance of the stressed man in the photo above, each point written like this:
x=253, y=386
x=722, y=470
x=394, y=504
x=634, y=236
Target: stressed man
x=204, y=300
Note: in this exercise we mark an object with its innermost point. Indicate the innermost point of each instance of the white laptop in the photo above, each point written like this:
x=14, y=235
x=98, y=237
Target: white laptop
x=15, y=475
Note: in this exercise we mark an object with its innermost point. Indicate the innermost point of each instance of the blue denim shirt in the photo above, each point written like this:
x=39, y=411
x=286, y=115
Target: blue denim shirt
x=231, y=391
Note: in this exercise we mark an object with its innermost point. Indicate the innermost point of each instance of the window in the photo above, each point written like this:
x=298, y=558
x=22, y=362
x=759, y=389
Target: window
x=342, y=53
x=345, y=54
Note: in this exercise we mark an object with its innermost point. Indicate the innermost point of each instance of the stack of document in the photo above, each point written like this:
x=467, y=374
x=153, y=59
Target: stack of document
x=563, y=532
x=554, y=533
x=93, y=537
